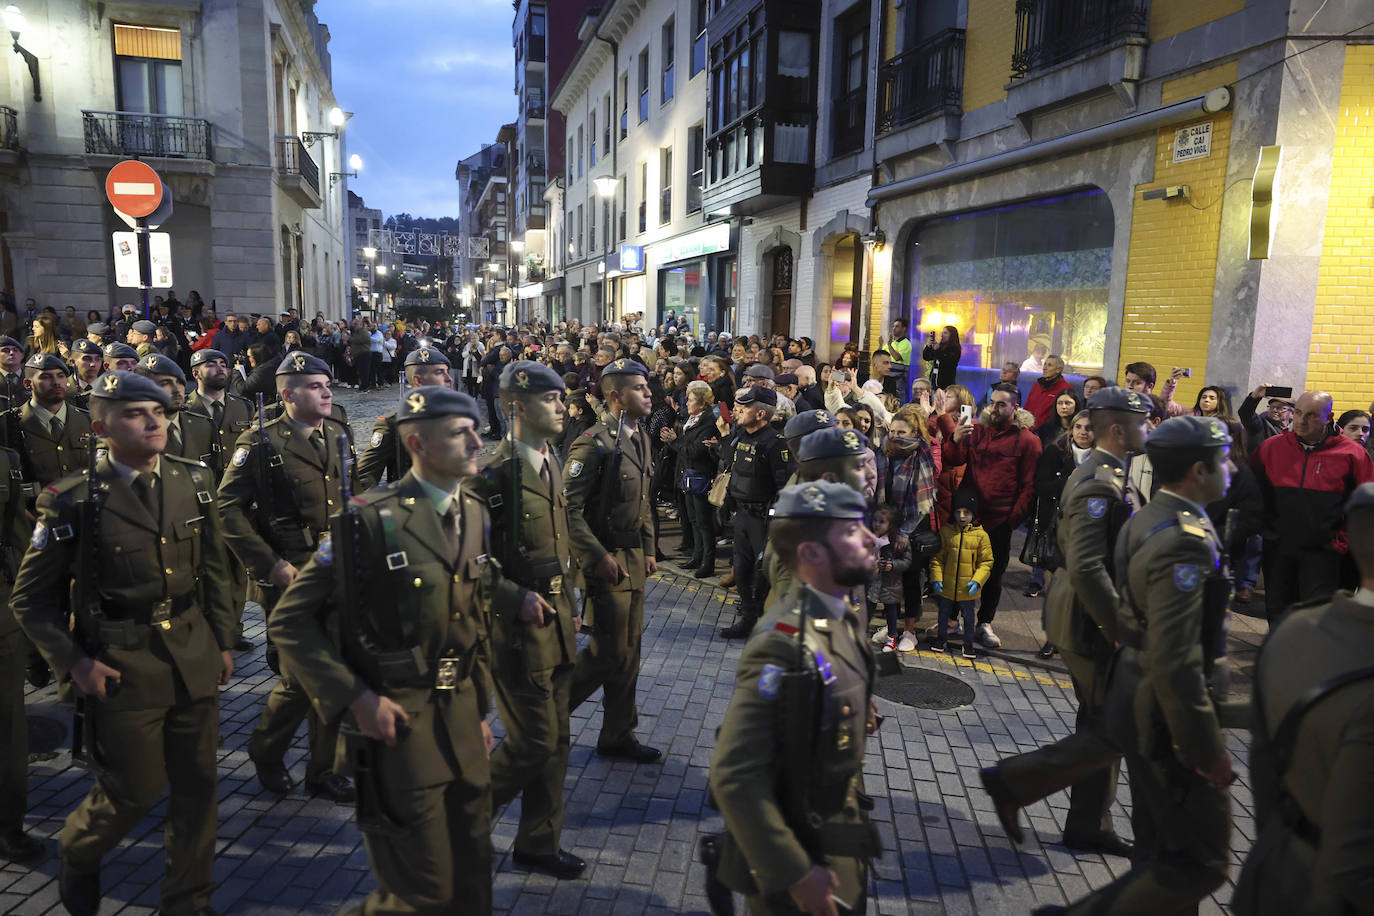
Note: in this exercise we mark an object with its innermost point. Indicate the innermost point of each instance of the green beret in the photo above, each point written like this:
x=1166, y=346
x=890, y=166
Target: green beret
x=832, y=442
x=44, y=361
x=1188, y=433
x=820, y=499
x=158, y=364
x=427, y=356
x=429, y=402
x=120, y=385
x=525, y=376
x=298, y=362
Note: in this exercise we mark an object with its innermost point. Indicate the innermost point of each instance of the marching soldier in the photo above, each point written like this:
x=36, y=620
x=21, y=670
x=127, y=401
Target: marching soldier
x=280, y=488
x=120, y=356
x=534, y=622
x=189, y=435
x=88, y=361
x=384, y=454
x=12, y=392
x=609, y=481
x=788, y=764
x=1311, y=757
x=15, y=844
x=150, y=643
x=1081, y=621
x=759, y=466
x=1158, y=709
x=409, y=663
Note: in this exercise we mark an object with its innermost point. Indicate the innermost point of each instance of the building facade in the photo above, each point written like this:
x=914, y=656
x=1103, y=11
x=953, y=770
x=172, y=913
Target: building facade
x=229, y=101
x=362, y=221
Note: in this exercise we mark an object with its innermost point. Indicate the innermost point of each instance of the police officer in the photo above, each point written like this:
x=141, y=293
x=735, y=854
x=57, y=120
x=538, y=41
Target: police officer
x=1158, y=709
x=788, y=763
x=609, y=482
x=15, y=844
x=189, y=435
x=231, y=416
x=120, y=356
x=1313, y=749
x=534, y=622
x=759, y=466
x=408, y=664
x=150, y=644
x=88, y=361
x=1081, y=621
x=280, y=488
x=384, y=454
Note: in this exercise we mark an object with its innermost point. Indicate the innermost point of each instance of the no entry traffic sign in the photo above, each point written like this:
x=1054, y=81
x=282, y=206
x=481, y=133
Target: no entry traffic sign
x=134, y=188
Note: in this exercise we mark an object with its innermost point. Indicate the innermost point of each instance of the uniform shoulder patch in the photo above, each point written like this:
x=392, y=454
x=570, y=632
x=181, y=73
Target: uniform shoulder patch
x=574, y=468
x=1097, y=506
x=770, y=680
x=324, y=554
x=1186, y=576
x=1191, y=524
x=40, y=537
x=785, y=455
x=240, y=457
x=377, y=437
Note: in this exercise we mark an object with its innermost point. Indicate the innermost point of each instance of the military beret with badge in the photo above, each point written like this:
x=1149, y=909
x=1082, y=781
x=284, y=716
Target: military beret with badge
x=120, y=385
x=41, y=362
x=1116, y=398
x=427, y=356
x=807, y=422
x=625, y=366
x=832, y=442
x=98, y=328
x=144, y=326
x=298, y=362
x=86, y=347
x=820, y=499
x=158, y=364
x=117, y=350
x=431, y=402
x=525, y=376
x=1188, y=433
x=204, y=356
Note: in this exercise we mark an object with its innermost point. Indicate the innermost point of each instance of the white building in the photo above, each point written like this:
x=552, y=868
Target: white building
x=362, y=221
x=229, y=101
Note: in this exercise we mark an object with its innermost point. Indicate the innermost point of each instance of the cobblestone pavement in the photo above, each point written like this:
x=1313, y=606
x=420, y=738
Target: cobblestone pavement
x=638, y=826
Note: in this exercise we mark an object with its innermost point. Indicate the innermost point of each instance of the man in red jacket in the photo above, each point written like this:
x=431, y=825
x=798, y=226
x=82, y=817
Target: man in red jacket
x=1001, y=459
x=1045, y=390
x=1306, y=474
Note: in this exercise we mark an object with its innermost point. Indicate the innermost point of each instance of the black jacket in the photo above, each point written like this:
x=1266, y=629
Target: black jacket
x=1051, y=473
x=1245, y=497
x=690, y=447
x=944, y=360
x=261, y=380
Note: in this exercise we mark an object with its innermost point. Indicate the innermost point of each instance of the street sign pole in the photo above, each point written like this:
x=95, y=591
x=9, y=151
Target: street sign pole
x=145, y=264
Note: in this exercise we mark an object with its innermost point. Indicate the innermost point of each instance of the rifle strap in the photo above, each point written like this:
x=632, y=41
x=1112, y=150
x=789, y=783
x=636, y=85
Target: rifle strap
x=396, y=562
x=278, y=483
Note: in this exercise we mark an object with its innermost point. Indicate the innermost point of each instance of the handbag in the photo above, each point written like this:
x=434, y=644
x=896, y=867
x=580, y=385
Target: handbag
x=925, y=544
x=1041, y=548
x=720, y=488
x=694, y=483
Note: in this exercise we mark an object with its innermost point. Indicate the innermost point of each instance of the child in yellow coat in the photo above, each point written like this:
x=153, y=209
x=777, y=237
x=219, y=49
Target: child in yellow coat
x=960, y=569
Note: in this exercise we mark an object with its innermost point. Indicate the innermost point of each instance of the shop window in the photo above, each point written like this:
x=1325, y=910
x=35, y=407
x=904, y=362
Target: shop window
x=846, y=299
x=1016, y=276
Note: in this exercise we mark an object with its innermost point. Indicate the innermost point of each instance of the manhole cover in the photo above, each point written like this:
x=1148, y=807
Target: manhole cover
x=924, y=689
x=45, y=735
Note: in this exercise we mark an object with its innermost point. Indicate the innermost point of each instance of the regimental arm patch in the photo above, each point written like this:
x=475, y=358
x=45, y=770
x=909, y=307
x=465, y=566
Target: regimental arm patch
x=377, y=438
x=770, y=681
x=324, y=554
x=574, y=468
x=240, y=457
x=1097, y=506
x=1186, y=576
x=40, y=537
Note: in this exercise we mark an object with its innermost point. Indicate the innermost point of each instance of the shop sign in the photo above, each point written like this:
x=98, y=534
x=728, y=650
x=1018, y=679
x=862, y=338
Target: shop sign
x=693, y=245
x=1193, y=142
x=631, y=258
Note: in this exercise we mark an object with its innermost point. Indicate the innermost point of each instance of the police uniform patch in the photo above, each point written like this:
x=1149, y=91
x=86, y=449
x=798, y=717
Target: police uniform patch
x=574, y=468
x=1185, y=576
x=40, y=537
x=1097, y=506
x=240, y=456
x=377, y=438
x=785, y=455
x=770, y=680
x=324, y=554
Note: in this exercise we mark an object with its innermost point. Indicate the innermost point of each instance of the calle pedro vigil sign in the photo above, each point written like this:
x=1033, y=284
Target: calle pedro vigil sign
x=134, y=188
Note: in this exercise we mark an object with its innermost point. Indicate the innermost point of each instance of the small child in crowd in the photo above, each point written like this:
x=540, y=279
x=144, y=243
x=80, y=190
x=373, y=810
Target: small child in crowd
x=959, y=570
x=885, y=586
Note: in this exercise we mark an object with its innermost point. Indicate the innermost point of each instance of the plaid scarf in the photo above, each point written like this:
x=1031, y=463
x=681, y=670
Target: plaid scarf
x=906, y=481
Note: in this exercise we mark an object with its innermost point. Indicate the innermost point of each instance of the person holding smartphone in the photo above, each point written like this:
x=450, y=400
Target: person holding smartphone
x=943, y=356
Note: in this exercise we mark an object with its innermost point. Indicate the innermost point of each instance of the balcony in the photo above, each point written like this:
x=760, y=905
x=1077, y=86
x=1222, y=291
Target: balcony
x=296, y=172
x=847, y=122
x=128, y=133
x=534, y=108
x=1050, y=32
x=924, y=81
x=9, y=135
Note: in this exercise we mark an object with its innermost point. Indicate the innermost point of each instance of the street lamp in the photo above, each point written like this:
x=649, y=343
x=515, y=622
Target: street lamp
x=605, y=185
x=517, y=245
x=355, y=162
x=14, y=21
x=381, y=270
x=337, y=119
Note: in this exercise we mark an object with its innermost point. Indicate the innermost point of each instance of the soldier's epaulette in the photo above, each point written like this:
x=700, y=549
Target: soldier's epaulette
x=194, y=462
x=1112, y=475
x=1188, y=523
x=379, y=493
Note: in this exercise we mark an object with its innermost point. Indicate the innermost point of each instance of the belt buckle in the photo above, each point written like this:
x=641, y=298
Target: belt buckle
x=556, y=585
x=397, y=560
x=446, y=675
x=162, y=614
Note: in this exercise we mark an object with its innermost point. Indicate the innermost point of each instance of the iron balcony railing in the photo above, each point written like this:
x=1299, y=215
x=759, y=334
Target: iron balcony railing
x=9, y=128
x=847, y=122
x=924, y=80
x=1049, y=32
x=129, y=133
x=294, y=159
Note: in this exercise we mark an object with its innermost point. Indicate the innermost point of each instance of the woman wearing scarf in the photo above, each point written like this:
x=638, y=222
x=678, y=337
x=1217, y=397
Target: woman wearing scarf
x=907, y=471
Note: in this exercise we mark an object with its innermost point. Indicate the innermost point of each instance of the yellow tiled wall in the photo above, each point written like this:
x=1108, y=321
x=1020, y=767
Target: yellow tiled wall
x=1171, y=268
x=988, y=44
x=1343, y=322
x=1172, y=17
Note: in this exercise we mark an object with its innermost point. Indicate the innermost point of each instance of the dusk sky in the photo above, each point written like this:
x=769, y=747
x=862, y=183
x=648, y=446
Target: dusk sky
x=428, y=82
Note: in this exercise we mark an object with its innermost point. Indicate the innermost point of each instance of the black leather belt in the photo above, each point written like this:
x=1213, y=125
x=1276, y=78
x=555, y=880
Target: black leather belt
x=410, y=668
x=160, y=613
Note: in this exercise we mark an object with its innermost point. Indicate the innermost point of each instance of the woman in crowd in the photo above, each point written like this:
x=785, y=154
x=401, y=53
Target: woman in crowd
x=694, y=442
x=472, y=362
x=1061, y=454
x=943, y=356
x=1355, y=424
x=165, y=342
x=849, y=360
x=1213, y=401
x=1243, y=495
x=389, y=356
x=292, y=341
x=907, y=470
x=1066, y=406
x=43, y=336
x=943, y=419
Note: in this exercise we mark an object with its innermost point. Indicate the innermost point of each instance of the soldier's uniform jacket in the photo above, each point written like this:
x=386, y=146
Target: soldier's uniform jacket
x=383, y=455
x=14, y=533
x=46, y=459
x=744, y=777
x=79, y=394
x=197, y=436
x=759, y=465
x=297, y=490
x=1168, y=568
x=12, y=392
x=413, y=606
x=235, y=420
x=541, y=562
x=609, y=515
x=1082, y=603
x=139, y=565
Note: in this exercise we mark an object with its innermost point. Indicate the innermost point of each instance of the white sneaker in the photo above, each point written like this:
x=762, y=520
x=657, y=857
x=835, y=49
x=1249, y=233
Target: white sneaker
x=890, y=645
x=879, y=636
x=987, y=637
x=907, y=643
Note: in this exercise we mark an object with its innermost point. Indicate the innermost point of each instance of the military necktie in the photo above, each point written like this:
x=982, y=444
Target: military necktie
x=546, y=475
x=174, y=438
x=145, y=486
x=317, y=440
x=217, y=413
x=55, y=426
x=450, y=524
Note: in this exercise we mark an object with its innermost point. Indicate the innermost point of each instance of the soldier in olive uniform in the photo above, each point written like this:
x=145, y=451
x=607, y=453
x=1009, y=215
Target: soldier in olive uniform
x=609, y=482
x=384, y=454
x=408, y=661
x=759, y=466
x=1158, y=709
x=534, y=622
x=787, y=769
x=799, y=427
x=88, y=361
x=189, y=435
x=230, y=415
x=120, y=356
x=282, y=484
x=15, y=844
x=1313, y=751
x=12, y=392
x=1081, y=622
x=150, y=645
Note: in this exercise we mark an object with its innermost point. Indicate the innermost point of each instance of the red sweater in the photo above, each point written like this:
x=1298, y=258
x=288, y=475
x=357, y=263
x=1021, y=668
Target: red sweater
x=1042, y=396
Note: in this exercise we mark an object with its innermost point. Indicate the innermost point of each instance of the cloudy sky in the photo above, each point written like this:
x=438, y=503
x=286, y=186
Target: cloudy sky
x=428, y=82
